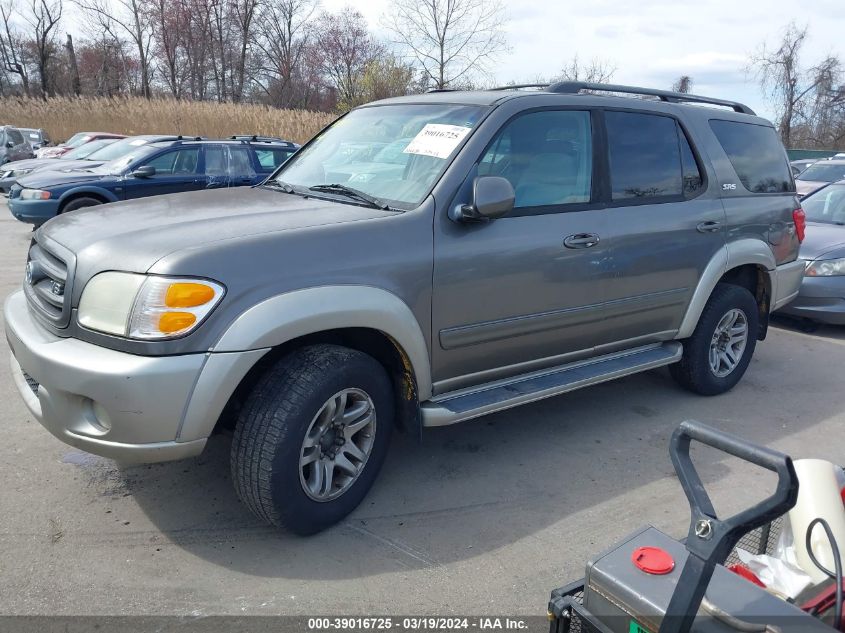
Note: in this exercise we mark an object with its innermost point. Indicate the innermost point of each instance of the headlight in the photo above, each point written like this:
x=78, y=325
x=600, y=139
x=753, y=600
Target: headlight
x=825, y=268
x=146, y=307
x=34, y=194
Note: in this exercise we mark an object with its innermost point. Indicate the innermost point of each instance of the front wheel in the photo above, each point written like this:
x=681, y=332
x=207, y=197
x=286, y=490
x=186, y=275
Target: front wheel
x=312, y=437
x=718, y=352
x=80, y=203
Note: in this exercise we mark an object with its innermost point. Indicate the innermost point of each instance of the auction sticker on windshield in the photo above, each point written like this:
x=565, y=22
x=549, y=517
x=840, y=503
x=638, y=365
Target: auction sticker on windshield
x=437, y=139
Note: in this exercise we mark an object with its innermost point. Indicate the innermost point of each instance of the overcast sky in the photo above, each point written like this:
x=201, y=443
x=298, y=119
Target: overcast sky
x=651, y=42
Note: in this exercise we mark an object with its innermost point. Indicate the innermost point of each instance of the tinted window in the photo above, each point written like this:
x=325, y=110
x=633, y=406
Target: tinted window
x=15, y=137
x=645, y=156
x=269, y=158
x=183, y=161
x=547, y=156
x=693, y=181
x=756, y=154
x=824, y=172
x=239, y=162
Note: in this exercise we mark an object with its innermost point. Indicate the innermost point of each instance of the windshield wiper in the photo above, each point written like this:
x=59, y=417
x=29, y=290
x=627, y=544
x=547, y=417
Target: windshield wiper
x=278, y=185
x=352, y=193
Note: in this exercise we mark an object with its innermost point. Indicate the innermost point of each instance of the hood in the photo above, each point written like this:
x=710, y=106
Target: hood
x=46, y=178
x=134, y=234
x=54, y=164
x=822, y=238
x=806, y=187
x=29, y=163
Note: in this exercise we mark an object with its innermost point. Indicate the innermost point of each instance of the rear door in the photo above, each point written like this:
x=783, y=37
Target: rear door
x=21, y=149
x=663, y=228
x=229, y=166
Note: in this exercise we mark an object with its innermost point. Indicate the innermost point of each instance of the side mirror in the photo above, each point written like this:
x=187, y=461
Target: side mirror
x=9, y=144
x=145, y=171
x=492, y=197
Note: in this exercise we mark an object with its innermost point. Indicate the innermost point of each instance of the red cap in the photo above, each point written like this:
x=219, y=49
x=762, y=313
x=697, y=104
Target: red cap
x=653, y=560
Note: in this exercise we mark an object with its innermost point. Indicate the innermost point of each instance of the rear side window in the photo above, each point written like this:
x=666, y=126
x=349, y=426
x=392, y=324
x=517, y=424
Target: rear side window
x=547, y=156
x=756, y=154
x=650, y=157
x=15, y=137
x=270, y=158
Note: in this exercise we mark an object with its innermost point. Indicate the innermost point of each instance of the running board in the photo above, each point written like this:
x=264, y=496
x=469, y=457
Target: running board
x=474, y=402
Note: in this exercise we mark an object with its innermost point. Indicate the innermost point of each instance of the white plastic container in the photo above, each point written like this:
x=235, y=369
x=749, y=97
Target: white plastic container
x=819, y=496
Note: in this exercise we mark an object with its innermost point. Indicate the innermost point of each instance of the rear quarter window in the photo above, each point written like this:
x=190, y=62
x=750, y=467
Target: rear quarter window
x=757, y=156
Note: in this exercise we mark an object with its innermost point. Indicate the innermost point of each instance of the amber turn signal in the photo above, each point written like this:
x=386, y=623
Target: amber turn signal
x=187, y=295
x=171, y=322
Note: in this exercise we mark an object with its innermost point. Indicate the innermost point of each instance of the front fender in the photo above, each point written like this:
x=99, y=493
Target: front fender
x=293, y=314
x=91, y=190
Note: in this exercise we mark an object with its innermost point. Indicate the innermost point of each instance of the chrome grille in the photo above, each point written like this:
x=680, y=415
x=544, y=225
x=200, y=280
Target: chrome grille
x=46, y=283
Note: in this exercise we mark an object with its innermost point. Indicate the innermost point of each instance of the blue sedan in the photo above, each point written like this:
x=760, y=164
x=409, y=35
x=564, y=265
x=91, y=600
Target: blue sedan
x=153, y=169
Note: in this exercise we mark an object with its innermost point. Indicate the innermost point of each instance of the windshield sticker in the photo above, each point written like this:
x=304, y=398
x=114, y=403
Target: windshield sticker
x=437, y=140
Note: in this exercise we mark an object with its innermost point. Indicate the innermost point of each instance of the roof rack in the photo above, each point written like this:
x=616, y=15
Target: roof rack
x=574, y=87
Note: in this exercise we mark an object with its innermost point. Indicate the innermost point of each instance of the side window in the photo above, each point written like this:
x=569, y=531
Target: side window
x=183, y=161
x=756, y=154
x=240, y=163
x=547, y=156
x=16, y=137
x=693, y=182
x=269, y=158
x=645, y=156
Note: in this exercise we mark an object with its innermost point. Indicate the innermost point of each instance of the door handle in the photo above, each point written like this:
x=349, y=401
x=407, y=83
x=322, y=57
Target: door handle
x=710, y=226
x=581, y=240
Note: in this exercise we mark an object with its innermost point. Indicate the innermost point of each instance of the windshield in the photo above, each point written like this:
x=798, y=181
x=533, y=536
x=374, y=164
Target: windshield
x=77, y=139
x=826, y=205
x=118, y=165
x=86, y=150
x=823, y=172
x=395, y=152
x=118, y=149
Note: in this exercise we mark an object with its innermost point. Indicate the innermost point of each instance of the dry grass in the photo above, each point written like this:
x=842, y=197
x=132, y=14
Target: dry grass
x=63, y=117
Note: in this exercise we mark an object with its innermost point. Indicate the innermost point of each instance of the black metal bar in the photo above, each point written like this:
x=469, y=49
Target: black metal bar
x=574, y=87
x=683, y=606
x=518, y=86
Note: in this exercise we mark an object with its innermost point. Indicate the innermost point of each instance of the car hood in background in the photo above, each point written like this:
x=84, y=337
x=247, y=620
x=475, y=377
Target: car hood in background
x=45, y=179
x=134, y=234
x=806, y=187
x=822, y=238
x=54, y=164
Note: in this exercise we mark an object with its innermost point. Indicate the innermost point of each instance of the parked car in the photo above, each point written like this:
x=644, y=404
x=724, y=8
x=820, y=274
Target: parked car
x=149, y=169
x=822, y=295
x=89, y=155
x=37, y=138
x=13, y=145
x=73, y=142
x=801, y=164
x=534, y=243
x=818, y=175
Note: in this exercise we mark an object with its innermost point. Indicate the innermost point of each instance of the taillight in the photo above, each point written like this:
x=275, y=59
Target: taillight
x=800, y=219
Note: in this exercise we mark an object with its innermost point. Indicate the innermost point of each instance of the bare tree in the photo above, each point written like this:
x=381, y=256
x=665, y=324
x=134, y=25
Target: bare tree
x=451, y=40
x=125, y=18
x=346, y=50
x=682, y=84
x=596, y=71
x=11, y=48
x=73, y=67
x=283, y=41
x=44, y=16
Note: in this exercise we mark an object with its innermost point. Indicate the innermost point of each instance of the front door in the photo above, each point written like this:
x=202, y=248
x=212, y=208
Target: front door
x=523, y=291
x=175, y=170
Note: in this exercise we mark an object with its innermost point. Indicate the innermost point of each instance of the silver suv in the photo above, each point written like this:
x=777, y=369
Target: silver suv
x=422, y=261
x=13, y=145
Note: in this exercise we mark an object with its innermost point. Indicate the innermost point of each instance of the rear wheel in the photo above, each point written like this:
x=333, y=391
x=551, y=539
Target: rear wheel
x=312, y=437
x=79, y=203
x=718, y=352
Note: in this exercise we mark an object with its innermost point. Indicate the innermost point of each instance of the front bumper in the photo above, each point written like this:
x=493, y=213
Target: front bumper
x=118, y=405
x=821, y=299
x=33, y=211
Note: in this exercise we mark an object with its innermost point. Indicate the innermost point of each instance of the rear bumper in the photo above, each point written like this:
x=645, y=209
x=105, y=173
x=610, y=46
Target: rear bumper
x=786, y=283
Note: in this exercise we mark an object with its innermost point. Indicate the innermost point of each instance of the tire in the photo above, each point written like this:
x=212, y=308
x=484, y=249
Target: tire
x=696, y=370
x=79, y=203
x=290, y=404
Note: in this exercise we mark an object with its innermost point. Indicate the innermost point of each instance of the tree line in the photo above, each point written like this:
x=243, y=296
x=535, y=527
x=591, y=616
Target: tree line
x=292, y=54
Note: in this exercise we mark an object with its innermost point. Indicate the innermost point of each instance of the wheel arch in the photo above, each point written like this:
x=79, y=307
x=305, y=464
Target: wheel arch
x=85, y=192
x=748, y=263
x=368, y=319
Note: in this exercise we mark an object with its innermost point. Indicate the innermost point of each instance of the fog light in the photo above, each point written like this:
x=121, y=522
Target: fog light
x=101, y=416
